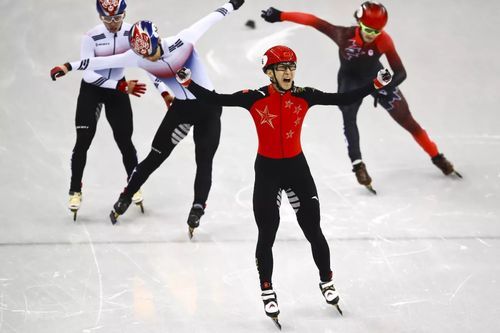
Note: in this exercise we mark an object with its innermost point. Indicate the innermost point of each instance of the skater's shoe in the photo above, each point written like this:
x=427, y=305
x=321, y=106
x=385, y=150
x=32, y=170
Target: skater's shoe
x=443, y=164
x=359, y=169
x=122, y=204
x=361, y=173
x=194, y=217
x=75, y=200
x=330, y=294
x=138, y=199
x=120, y=207
x=270, y=303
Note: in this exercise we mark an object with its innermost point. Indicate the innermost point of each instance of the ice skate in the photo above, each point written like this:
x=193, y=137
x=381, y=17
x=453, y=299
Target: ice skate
x=363, y=177
x=330, y=294
x=271, y=305
x=138, y=199
x=194, y=217
x=75, y=200
x=444, y=165
x=120, y=207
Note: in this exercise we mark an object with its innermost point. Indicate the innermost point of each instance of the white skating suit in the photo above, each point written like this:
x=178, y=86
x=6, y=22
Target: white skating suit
x=178, y=51
x=99, y=42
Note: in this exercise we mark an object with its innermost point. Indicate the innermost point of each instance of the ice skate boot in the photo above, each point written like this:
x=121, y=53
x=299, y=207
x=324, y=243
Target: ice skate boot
x=194, y=217
x=271, y=305
x=444, y=165
x=138, y=199
x=359, y=169
x=330, y=294
x=120, y=207
x=75, y=200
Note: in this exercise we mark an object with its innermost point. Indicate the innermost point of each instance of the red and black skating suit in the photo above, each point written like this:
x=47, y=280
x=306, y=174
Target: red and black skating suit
x=281, y=165
x=359, y=63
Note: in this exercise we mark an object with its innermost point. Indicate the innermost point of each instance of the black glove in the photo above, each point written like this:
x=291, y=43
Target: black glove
x=271, y=15
x=236, y=3
x=59, y=71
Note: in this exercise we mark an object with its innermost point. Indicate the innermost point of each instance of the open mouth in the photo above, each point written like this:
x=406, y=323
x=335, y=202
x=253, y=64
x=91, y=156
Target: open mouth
x=287, y=80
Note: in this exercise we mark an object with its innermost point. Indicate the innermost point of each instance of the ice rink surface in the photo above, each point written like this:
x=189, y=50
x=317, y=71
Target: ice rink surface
x=421, y=256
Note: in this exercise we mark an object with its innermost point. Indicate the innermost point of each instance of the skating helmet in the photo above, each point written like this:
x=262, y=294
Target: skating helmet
x=110, y=7
x=143, y=38
x=277, y=54
x=372, y=14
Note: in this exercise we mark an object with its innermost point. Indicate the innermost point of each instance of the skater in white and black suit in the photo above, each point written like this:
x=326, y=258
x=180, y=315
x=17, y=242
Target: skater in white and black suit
x=106, y=87
x=162, y=58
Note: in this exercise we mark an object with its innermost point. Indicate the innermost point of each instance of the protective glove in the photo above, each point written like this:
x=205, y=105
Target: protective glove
x=236, y=3
x=132, y=87
x=383, y=78
x=167, y=98
x=271, y=15
x=59, y=71
x=183, y=76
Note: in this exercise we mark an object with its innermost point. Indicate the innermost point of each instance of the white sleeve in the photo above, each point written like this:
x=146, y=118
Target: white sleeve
x=195, y=31
x=159, y=84
x=87, y=51
x=127, y=59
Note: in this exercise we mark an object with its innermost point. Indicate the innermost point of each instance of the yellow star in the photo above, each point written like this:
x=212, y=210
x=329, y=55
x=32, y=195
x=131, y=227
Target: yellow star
x=266, y=117
x=289, y=134
x=297, y=121
x=288, y=104
x=297, y=109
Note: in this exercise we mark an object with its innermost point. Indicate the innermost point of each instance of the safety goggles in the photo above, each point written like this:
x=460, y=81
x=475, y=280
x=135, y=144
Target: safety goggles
x=368, y=30
x=283, y=66
x=115, y=18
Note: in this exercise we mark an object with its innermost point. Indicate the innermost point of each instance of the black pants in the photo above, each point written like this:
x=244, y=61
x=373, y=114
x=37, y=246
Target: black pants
x=205, y=119
x=292, y=175
x=390, y=99
x=119, y=115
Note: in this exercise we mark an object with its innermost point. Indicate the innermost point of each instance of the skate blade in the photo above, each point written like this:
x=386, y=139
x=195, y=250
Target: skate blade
x=113, y=217
x=190, y=232
x=276, y=322
x=339, y=309
x=140, y=205
x=74, y=211
x=456, y=173
x=371, y=189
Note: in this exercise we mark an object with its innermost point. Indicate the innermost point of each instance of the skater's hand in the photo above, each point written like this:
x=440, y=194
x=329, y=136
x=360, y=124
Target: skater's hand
x=271, y=15
x=183, y=76
x=132, y=87
x=59, y=71
x=383, y=78
x=236, y=3
x=167, y=98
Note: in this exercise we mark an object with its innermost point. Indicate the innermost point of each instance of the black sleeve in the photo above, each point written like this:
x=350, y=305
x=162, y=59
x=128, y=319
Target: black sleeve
x=317, y=97
x=244, y=99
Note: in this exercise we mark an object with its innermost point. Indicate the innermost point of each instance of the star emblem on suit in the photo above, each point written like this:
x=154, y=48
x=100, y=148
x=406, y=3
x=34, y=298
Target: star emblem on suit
x=266, y=117
x=289, y=134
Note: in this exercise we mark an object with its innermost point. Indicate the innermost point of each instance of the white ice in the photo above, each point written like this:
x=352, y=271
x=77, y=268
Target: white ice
x=421, y=256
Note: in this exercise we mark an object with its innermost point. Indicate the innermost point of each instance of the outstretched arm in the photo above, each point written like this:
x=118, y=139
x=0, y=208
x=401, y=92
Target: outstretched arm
x=274, y=15
x=244, y=99
x=195, y=31
x=316, y=97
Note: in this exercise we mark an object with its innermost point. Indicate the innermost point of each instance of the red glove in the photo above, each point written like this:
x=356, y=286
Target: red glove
x=167, y=98
x=59, y=71
x=132, y=87
x=383, y=78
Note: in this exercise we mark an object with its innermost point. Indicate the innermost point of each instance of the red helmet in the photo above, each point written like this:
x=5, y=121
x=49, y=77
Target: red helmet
x=277, y=54
x=372, y=14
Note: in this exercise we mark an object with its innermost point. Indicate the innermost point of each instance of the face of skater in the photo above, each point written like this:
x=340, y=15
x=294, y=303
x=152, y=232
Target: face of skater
x=113, y=23
x=282, y=75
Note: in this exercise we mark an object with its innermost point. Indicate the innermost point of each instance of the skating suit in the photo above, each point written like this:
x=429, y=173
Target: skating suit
x=98, y=89
x=280, y=164
x=185, y=112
